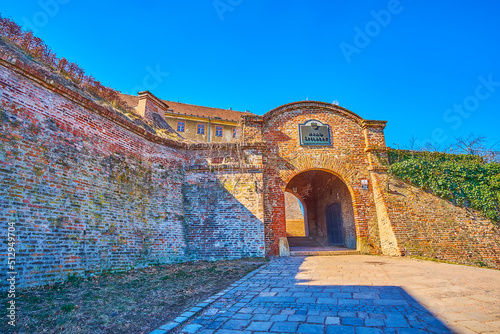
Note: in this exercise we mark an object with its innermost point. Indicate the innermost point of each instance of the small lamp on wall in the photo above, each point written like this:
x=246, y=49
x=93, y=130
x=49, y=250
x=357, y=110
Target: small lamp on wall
x=258, y=189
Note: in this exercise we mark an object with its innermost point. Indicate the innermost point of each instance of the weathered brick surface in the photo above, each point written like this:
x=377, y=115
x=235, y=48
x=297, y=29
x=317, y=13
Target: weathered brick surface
x=223, y=212
x=90, y=191
x=86, y=195
x=428, y=226
x=284, y=158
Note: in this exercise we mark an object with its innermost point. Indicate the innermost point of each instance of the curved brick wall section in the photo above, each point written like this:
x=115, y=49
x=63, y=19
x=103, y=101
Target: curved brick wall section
x=85, y=193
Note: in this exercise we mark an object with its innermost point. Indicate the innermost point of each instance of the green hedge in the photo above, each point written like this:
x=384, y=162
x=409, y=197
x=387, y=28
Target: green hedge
x=462, y=179
x=402, y=155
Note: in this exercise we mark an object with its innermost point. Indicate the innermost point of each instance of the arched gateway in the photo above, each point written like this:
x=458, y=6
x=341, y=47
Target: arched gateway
x=325, y=155
x=213, y=189
x=330, y=216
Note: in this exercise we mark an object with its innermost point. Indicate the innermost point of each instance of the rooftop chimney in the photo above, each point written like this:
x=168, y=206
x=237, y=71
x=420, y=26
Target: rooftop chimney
x=148, y=103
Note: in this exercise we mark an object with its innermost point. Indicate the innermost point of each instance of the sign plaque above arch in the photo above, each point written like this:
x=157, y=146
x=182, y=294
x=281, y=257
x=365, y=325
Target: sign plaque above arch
x=314, y=133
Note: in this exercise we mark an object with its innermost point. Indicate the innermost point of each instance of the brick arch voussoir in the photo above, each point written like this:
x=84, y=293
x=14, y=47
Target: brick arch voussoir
x=339, y=167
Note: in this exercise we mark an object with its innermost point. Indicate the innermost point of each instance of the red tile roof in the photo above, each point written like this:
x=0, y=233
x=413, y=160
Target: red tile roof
x=192, y=110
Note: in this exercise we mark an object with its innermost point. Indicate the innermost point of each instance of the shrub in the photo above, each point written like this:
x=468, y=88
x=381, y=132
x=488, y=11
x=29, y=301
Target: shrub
x=402, y=155
x=36, y=48
x=462, y=179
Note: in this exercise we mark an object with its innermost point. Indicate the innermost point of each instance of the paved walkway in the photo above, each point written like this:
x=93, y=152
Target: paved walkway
x=357, y=294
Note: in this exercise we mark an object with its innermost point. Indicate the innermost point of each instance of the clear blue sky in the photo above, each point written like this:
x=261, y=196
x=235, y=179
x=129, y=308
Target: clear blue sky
x=407, y=62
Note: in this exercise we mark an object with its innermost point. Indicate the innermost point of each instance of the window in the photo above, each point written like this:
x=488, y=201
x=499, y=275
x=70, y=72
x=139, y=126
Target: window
x=180, y=126
x=218, y=131
x=201, y=129
x=234, y=133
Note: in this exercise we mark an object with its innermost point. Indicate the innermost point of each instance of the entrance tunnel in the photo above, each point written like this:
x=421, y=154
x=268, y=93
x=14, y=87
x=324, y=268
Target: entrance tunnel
x=319, y=211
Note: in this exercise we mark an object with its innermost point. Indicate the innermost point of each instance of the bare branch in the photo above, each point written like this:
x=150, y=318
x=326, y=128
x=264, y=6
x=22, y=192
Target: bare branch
x=472, y=144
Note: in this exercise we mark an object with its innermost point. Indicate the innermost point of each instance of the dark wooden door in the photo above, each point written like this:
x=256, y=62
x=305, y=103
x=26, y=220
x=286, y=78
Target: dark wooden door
x=334, y=225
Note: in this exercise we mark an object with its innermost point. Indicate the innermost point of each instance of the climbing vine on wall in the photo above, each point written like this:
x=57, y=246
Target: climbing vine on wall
x=464, y=180
x=395, y=156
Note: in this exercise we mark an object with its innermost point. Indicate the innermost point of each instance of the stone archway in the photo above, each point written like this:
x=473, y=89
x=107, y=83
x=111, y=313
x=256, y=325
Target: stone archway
x=321, y=192
x=276, y=186
x=348, y=175
x=348, y=150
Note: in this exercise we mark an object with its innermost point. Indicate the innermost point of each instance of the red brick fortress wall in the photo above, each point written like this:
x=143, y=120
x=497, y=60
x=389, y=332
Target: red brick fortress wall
x=85, y=193
x=223, y=193
x=223, y=211
x=347, y=159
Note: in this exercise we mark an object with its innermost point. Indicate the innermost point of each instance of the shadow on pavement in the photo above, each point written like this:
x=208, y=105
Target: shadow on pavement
x=276, y=300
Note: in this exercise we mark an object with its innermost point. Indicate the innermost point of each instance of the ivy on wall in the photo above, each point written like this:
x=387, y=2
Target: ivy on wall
x=465, y=180
x=402, y=155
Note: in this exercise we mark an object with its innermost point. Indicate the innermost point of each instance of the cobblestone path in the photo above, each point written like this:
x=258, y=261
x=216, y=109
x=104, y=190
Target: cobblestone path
x=357, y=294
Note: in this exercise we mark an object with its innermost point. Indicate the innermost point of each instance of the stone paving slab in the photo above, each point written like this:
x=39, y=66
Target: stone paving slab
x=355, y=294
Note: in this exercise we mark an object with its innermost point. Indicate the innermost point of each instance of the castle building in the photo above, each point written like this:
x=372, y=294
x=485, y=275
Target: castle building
x=190, y=122
x=89, y=188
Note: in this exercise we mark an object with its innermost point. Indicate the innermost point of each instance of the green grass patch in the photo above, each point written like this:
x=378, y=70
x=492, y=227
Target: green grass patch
x=68, y=307
x=137, y=301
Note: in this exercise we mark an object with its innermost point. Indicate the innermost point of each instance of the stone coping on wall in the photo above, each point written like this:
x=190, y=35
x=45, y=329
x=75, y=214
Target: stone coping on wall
x=18, y=66
x=373, y=124
x=225, y=167
x=308, y=104
x=376, y=149
x=378, y=169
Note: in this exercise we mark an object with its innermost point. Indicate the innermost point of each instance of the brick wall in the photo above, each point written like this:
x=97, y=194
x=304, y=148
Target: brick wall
x=223, y=211
x=85, y=194
x=428, y=226
x=347, y=158
x=90, y=191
